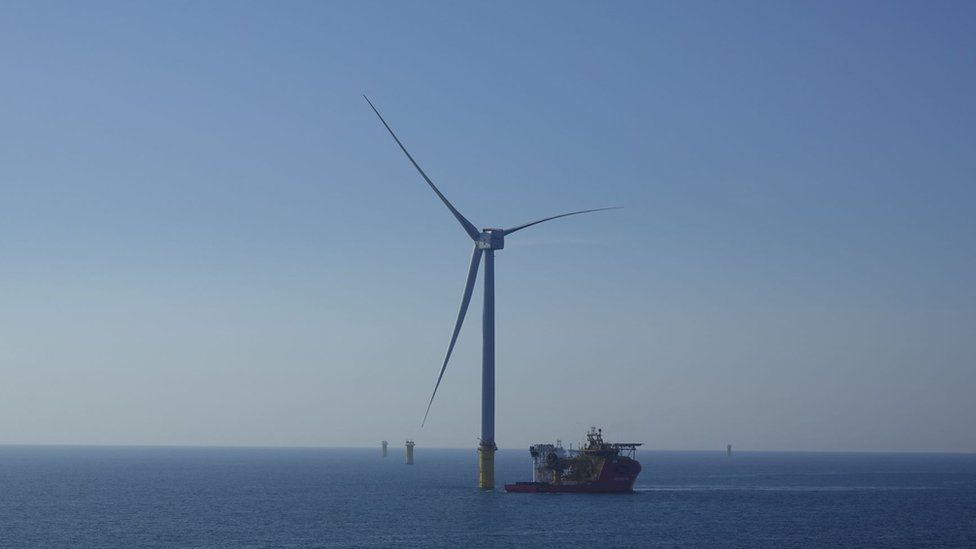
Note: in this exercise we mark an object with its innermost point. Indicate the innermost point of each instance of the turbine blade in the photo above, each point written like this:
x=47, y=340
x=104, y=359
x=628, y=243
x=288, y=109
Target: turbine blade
x=520, y=227
x=469, y=228
x=465, y=299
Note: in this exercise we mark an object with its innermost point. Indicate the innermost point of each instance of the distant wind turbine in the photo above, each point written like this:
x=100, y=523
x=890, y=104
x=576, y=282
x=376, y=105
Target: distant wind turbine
x=486, y=241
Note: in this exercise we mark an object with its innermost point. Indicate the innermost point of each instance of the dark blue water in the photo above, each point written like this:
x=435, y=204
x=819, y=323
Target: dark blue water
x=222, y=497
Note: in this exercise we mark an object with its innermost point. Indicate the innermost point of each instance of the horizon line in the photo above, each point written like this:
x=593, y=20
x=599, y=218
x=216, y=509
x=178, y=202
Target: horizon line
x=377, y=447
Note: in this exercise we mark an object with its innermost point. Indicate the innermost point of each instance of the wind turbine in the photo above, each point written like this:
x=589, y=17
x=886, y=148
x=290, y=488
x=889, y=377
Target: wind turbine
x=486, y=241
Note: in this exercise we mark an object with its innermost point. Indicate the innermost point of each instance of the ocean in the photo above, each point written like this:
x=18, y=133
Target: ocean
x=142, y=497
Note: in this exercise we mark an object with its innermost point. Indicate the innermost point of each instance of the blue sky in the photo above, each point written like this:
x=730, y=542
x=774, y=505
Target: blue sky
x=206, y=237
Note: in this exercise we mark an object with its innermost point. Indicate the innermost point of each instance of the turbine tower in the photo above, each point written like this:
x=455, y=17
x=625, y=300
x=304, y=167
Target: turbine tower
x=486, y=241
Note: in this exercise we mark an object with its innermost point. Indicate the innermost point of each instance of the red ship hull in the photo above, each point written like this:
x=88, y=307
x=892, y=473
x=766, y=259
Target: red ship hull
x=617, y=477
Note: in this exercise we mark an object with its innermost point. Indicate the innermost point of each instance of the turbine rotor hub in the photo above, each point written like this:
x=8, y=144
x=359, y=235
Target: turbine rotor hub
x=491, y=239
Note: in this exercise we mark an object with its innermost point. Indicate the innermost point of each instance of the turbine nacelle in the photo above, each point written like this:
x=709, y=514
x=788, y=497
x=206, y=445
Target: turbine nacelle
x=491, y=239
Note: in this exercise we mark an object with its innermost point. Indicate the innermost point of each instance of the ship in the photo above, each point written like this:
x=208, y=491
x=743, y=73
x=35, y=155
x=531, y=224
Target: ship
x=595, y=467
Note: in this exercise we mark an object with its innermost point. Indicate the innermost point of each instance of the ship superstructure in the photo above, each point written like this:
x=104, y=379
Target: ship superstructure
x=596, y=466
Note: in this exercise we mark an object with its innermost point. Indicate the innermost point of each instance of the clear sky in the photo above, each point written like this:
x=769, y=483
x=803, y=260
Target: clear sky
x=206, y=236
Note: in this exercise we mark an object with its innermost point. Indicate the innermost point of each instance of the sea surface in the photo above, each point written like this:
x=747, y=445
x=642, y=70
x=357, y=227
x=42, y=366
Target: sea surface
x=138, y=497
